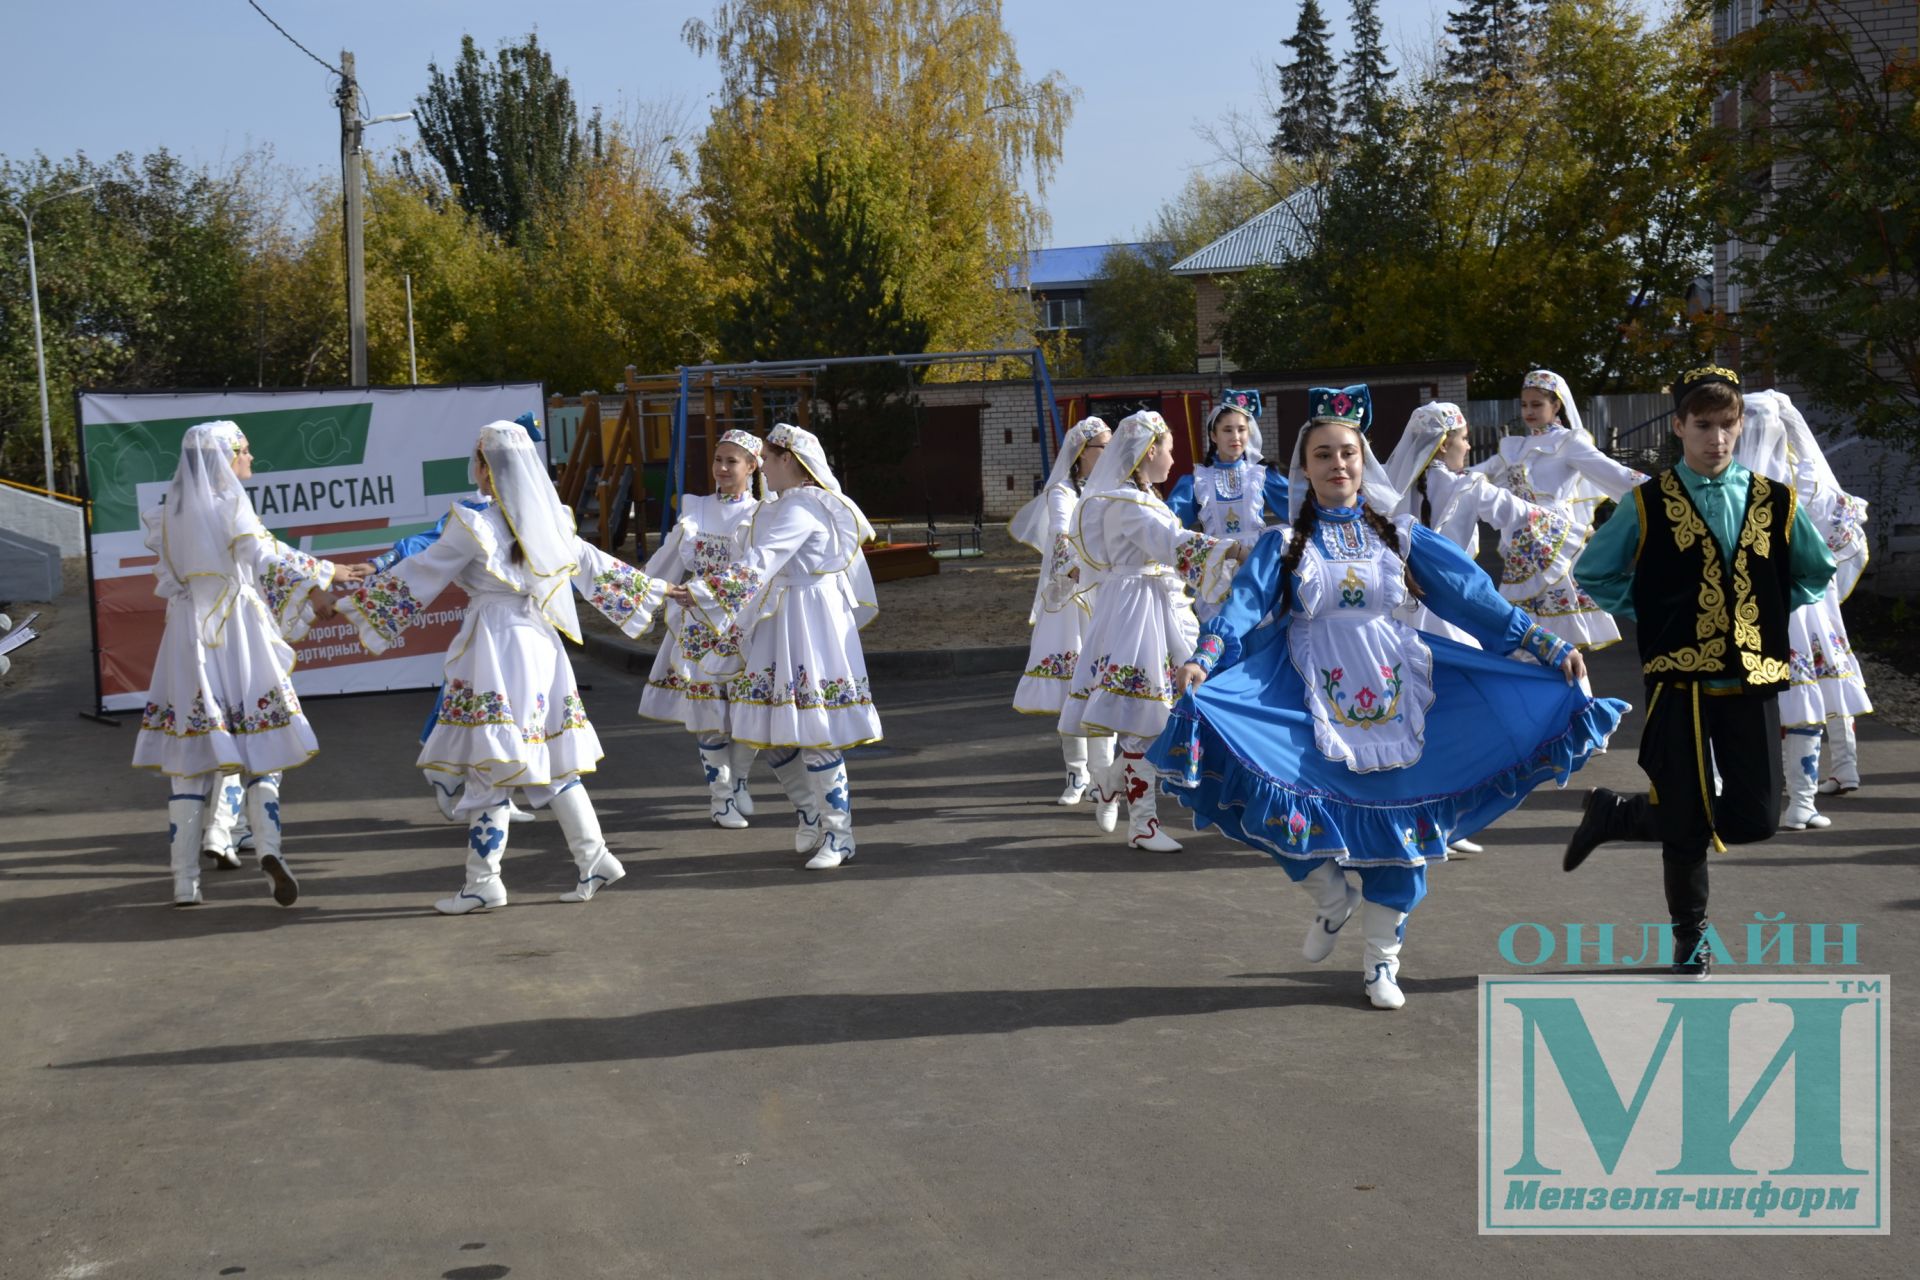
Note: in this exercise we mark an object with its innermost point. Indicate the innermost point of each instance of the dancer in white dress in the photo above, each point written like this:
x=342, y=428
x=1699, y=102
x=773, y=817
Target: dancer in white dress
x=222, y=698
x=1555, y=466
x=788, y=615
x=1827, y=689
x=710, y=534
x=1143, y=626
x=1233, y=494
x=511, y=717
x=1428, y=468
x=1062, y=603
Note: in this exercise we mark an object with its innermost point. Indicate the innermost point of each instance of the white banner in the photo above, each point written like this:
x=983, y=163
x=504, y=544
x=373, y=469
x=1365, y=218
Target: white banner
x=340, y=473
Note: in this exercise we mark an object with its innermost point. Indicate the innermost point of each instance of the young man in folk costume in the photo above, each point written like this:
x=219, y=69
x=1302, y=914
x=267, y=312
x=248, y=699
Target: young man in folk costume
x=1711, y=559
x=710, y=534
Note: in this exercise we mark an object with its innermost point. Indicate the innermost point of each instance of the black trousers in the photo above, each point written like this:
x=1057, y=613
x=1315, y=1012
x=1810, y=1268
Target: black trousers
x=1690, y=730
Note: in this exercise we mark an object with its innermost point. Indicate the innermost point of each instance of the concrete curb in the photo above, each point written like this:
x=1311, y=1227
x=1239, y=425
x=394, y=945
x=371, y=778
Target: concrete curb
x=623, y=654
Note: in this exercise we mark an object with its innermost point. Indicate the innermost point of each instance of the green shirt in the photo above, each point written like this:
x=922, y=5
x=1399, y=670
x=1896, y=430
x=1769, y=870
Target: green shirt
x=1605, y=568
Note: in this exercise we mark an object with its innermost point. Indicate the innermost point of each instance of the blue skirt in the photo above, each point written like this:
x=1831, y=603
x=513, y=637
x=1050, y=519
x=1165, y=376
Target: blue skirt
x=1239, y=752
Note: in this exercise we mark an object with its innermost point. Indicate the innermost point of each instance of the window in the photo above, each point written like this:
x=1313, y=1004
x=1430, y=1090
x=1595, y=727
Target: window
x=1062, y=313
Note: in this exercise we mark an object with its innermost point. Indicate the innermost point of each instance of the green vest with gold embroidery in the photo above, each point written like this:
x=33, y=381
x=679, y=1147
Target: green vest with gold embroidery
x=1698, y=620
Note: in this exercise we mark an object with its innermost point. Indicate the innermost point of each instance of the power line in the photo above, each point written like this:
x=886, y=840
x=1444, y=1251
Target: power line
x=295, y=43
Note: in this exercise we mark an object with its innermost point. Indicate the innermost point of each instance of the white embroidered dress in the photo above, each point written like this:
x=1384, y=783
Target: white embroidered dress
x=787, y=616
x=1561, y=471
x=710, y=535
x=1062, y=606
x=1458, y=503
x=511, y=715
x=1143, y=626
x=222, y=699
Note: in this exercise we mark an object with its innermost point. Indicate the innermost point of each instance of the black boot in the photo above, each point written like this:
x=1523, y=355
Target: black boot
x=1608, y=815
x=1690, y=958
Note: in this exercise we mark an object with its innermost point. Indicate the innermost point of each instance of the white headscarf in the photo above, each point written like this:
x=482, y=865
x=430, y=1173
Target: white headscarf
x=1420, y=443
x=1132, y=441
x=1029, y=526
x=805, y=446
x=539, y=521
x=1762, y=446
x=206, y=506
x=1803, y=446
x=1374, y=485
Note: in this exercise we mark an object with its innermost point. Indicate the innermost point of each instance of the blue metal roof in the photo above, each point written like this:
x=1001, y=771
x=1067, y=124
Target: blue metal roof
x=1269, y=238
x=1075, y=267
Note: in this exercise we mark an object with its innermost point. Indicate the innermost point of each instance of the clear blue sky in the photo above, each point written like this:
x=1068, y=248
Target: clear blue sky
x=209, y=78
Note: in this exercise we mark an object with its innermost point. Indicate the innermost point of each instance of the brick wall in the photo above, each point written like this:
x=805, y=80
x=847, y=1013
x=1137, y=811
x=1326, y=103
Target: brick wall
x=1012, y=463
x=1209, y=313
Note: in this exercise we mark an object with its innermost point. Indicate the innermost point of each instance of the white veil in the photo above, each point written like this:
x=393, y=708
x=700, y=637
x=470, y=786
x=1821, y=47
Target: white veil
x=805, y=446
x=540, y=523
x=1029, y=526
x=1420, y=443
x=1132, y=441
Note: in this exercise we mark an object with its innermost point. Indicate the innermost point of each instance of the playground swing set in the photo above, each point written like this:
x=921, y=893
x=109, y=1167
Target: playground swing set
x=635, y=453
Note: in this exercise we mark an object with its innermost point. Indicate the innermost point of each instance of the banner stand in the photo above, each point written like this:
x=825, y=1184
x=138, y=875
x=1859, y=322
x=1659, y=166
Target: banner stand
x=99, y=714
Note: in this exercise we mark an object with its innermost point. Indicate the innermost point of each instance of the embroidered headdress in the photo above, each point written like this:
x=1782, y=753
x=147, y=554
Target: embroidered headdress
x=1242, y=402
x=1348, y=406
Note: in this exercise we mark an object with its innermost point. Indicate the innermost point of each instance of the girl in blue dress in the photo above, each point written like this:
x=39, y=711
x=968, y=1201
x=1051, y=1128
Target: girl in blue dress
x=1231, y=494
x=1340, y=737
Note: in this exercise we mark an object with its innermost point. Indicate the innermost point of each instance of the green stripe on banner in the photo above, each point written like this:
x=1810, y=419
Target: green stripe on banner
x=359, y=538
x=445, y=475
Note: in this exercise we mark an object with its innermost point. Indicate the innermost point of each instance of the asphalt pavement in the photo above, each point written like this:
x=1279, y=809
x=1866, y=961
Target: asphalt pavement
x=997, y=1044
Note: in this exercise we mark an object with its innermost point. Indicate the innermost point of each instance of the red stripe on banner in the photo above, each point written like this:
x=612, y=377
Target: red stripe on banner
x=344, y=526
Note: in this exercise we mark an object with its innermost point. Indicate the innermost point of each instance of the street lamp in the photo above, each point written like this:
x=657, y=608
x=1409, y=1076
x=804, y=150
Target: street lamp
x=33, y=286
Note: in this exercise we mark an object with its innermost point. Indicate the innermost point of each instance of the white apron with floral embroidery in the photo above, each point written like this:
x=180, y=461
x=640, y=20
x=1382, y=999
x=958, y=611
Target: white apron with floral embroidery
x=1369, y=675
x=1826, y=679
x=221, y=698
x=710, y=535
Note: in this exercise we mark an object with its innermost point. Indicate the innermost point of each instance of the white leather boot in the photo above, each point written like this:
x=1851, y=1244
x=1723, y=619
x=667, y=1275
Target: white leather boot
x=263, y=815
x=1800, y=772
x=740, y=761
x=836, y=814
x=218, y=823
x=1103, y=778
x=798, y=784
x=186, y=812
x=717, y=764
x=598, y=868
x=1074, y=749
x=1143, y=813
x=486, y=845
x=1383, y=928
x=1843, y=753
x=1334, y=901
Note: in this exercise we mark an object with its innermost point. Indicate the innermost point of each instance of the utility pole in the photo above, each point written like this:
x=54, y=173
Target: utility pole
x=351, y=173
